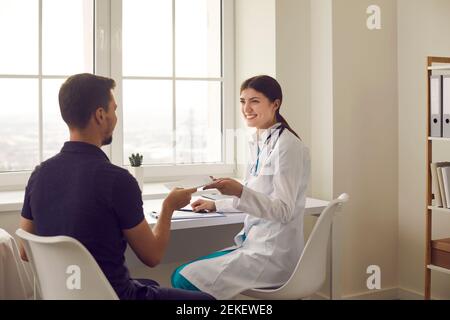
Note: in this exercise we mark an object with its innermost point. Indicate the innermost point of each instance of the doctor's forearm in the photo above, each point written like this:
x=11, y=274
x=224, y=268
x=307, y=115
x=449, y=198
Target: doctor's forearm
x=261, y=205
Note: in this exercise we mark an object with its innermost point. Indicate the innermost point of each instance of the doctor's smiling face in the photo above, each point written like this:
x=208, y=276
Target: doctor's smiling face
x=261, y=99
x=257, y=109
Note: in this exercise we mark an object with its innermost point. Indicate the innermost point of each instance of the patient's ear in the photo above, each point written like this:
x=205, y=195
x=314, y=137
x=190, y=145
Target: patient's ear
x=99, y=115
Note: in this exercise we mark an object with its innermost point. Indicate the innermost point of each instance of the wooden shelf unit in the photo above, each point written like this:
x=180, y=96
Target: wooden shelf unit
x=440, y=269
x=439, y=67
x=440, y=209
x=444, y=64
x=438, y=139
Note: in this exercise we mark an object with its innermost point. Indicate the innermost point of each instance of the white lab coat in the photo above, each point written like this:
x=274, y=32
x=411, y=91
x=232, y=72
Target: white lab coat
x=274, y=201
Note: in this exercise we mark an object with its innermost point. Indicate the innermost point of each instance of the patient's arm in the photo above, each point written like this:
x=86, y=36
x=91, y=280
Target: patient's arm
x=150, y=245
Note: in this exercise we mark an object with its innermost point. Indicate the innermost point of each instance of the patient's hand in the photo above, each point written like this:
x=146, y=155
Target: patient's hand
x=178, y=198
x=203, y=205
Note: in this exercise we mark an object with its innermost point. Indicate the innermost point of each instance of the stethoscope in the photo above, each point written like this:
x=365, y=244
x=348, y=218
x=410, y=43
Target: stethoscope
x=255, y=166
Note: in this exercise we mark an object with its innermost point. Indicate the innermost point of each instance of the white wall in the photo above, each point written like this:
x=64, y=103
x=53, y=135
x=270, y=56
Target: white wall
x=352, y=109
x=321, y=108
x=293, y=64
x=321, y=98
x=365, y=140
x=255, y=55
x=255, y=38
x=423, y=30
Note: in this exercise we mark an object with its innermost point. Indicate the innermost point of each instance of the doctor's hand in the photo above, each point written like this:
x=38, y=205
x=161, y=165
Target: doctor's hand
x=178, y=198
x=201, y=205
x=226, y=186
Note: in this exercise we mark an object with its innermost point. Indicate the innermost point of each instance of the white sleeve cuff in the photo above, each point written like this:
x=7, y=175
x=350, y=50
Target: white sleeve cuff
x=242, y=203
x=225, y=205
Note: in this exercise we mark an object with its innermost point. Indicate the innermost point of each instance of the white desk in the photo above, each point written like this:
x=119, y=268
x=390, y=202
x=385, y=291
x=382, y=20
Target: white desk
x=313, y=207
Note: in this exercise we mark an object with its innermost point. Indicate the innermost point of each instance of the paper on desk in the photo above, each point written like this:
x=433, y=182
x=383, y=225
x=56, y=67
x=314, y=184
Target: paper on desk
x=216, y=196
x=178, y=215
x=194, y=182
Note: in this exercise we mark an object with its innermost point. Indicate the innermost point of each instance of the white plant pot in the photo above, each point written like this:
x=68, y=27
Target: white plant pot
x=138, y=174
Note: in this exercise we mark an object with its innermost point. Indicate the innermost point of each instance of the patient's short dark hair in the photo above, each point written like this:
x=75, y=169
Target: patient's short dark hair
x=81, y=95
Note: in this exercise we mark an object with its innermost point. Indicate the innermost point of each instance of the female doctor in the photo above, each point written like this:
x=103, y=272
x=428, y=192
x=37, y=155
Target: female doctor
x=268, y=248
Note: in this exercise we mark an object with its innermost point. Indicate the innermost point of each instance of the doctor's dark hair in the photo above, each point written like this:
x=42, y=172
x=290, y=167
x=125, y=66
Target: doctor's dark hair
x=81, y=95
x=270, y=88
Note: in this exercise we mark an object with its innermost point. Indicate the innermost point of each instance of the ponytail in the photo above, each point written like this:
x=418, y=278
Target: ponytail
x=283, y=121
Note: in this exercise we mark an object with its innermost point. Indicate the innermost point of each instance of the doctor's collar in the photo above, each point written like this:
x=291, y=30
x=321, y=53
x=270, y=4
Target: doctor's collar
x=264, y=133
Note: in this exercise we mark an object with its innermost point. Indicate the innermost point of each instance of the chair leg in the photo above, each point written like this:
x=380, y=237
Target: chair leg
x=34, y=288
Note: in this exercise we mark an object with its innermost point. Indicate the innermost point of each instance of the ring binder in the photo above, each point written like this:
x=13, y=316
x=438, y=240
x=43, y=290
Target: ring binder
x=446, y=106
x=436, y=107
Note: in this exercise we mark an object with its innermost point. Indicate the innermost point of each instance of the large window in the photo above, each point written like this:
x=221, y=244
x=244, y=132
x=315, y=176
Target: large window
x=172, y=80
x=43, y=42
x=172, y=61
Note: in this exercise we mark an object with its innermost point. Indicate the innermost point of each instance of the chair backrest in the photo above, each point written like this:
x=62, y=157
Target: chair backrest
x=15, y=276
x=64, y=269
x=310, y=272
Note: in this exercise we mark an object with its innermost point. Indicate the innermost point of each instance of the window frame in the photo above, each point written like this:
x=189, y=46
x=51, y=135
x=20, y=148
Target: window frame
x=161, y=172
x=107, y=49
x=14, y=180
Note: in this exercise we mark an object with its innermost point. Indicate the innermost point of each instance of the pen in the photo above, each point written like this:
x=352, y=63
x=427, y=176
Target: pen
x=190, y=210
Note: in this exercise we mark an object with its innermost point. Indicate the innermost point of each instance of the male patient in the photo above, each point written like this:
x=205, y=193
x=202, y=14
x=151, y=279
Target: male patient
x=79, y=193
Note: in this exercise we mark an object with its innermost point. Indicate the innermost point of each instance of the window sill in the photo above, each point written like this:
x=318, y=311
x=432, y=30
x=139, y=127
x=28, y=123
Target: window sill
x=11, y=201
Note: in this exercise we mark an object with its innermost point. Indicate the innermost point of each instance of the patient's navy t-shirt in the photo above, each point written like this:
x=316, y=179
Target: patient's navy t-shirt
x=79, y=193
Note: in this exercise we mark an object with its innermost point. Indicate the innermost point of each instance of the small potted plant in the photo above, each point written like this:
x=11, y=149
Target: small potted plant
x=137, y=169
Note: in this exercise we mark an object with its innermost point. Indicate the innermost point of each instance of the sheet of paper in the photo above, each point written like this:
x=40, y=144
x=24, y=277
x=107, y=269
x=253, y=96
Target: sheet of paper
x=177, y=215
x=217, y=196
x=194, y=182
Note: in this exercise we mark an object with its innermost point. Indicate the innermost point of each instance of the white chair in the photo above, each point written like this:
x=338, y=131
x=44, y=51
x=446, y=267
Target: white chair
x=310, y=273
x=60, y=264
x=15, y=276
